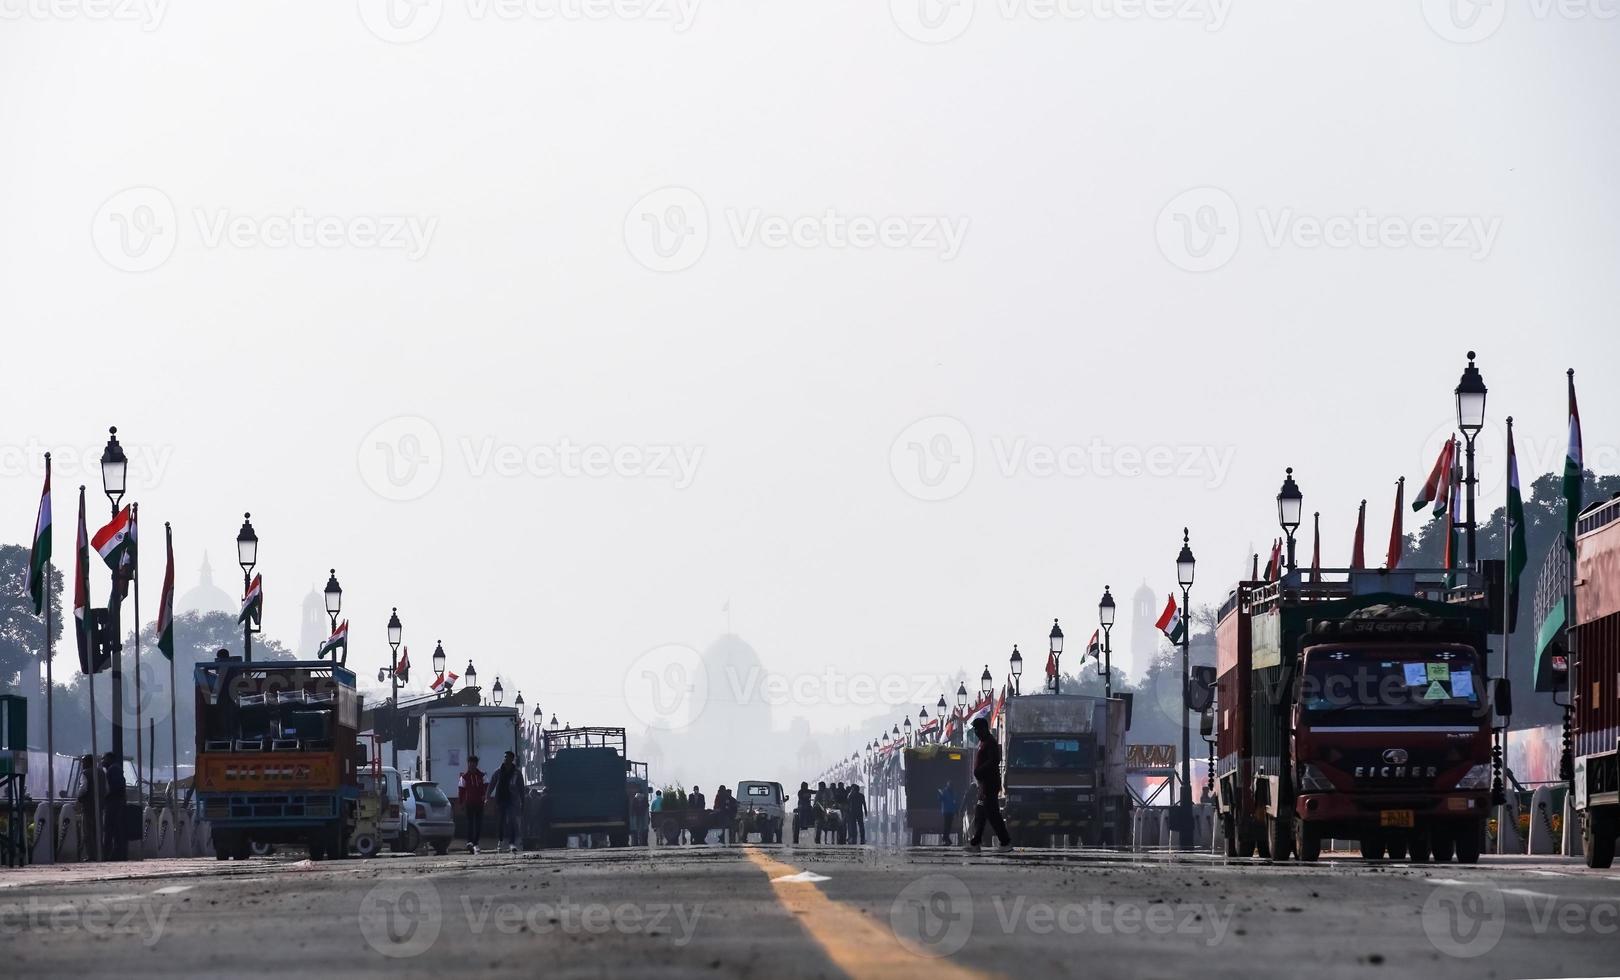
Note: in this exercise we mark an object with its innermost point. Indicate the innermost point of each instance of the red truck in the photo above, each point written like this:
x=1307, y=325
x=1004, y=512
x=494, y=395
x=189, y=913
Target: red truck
x=1353, y=705
x=1595, y=680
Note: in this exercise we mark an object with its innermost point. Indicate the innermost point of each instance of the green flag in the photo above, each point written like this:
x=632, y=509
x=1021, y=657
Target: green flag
x=1573, y=471
x=1518, y=552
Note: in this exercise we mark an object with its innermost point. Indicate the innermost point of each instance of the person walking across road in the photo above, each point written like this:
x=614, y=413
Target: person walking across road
x=857, y=814
x=947, y=813
x=507, y=790
x=987, y=773
x=696, y=802
x=805, y=815
x=114, y=835
x=470, y=793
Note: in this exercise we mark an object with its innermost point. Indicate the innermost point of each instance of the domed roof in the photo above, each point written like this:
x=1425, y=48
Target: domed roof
x=736, y=675
x=205, y=596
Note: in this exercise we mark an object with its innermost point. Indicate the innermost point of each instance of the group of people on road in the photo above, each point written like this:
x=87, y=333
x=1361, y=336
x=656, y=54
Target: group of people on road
x=106, y=780
x=506, y=788
x=837, y=813
x=723, y=816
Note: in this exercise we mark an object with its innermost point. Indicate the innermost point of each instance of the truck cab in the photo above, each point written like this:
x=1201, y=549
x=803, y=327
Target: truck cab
x=1063, y=767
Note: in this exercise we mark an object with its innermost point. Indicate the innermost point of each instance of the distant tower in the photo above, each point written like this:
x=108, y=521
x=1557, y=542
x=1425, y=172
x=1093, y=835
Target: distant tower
x=1145, y=611
x=313, y=625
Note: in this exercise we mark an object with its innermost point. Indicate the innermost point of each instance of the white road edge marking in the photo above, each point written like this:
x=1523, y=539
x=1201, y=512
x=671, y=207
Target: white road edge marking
x=173, y=890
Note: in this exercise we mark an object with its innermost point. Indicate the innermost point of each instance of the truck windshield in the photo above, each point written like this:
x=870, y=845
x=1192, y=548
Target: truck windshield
x=1414, y=680
x=1055, y=752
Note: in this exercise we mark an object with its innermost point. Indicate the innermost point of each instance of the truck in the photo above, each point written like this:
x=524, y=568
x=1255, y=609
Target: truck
x=446, y=739
x=277, y=754
x=1352, y=704
x=1594, y=680
x=1063, y=768
x=927, y=770
x=583, y=777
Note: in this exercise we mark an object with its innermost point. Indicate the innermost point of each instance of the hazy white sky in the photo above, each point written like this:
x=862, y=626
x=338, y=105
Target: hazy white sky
x=766, y=269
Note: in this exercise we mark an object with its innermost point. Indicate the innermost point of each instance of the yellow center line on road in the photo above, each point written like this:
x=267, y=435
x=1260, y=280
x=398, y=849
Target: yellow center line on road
x=856, y=944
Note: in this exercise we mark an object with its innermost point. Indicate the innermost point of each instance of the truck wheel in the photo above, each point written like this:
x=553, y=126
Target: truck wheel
x=263, y=849
x=1444, y=840
x=1372, y=846
x=1280, y=834
x=241, y=848
x=1418, y=846
x=413, y=840
x=1597, y=837
x=1307, y=840
x=619, y=840
x=1262, y=843
x=916, y=837
x=1468, y=841
x=1229, y=834
x=367, y=844
x=441, y=847
x=223, y=847
x=317, y=847
x=1396, y=847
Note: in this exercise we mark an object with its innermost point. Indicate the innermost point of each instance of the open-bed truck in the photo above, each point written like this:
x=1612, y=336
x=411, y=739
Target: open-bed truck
x=1595, y=681
x=277, y=755
x=1353, y=705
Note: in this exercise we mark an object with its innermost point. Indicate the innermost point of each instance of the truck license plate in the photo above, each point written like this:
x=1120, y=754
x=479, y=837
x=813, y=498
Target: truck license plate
x=1046, y=816
x=1396, y=818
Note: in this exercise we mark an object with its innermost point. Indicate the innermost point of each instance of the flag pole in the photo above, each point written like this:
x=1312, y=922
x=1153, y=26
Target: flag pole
x=174, y=738
x=135, y=575
x=50, y=706
x=82, y=579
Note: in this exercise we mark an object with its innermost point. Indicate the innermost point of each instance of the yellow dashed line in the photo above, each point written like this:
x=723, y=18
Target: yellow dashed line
x=856, y=943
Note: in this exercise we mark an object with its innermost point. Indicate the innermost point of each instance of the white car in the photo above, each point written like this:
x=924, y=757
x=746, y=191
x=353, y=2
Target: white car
x=427, y=817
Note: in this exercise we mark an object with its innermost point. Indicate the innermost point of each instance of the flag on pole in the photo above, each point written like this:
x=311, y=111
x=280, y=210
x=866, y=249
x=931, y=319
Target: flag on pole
x=1358, y=549
x=1518, y=552
x=1397, y=528
x=338, y=639
x=1455, y=518
x=1439, y=482
x=39, y=559
x=115, y=543
x=165, y=614
x=88, y=662
x=1094, y=648
x=448, y=677
x=1574, y=470
x=1316, y=547
x=402, y=670
x=1051, y=666
x=253, y=603
x=1171, y=623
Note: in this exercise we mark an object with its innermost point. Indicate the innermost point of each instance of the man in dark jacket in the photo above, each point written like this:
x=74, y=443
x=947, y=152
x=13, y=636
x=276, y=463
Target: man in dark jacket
x=806, y=814
x=987, y=773
x=507, y=789
x=857, y=814
x=114, y=839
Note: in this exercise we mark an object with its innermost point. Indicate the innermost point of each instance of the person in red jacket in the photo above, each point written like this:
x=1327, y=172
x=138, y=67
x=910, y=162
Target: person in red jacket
x=470, y=793
x=987, y=773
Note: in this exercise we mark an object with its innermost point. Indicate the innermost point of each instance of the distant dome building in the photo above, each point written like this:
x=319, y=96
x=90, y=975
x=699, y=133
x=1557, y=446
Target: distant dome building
x=1145, y=609
x=736, y=683
x=205, y=596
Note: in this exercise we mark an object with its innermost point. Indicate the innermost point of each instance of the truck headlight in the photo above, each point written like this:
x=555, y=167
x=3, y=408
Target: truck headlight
x=1311, y=780
x=1479, y=777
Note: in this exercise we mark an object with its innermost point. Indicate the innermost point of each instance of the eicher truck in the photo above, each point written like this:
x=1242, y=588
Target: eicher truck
x=278, y=755
x=1594, y=680
x=1063, y=768
x=1353, y=705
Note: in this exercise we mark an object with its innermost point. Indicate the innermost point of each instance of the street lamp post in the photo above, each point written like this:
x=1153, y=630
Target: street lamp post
x=114, y=470
x=1016, y=662
x=470, y=677
x=1055, y=645
x=438, y=663
x=247, y=555
x=1290, y=508
x=922, y=721
x=334, y=598
x=1105, y=617
x=1185, y=566
x=396, y=632
x=961, y=709
x=986, y=682
x=497, y=691
x=1471, y=392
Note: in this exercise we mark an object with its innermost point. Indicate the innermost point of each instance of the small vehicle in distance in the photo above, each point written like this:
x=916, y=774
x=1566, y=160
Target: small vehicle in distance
x=761, y=809
x=427, y=817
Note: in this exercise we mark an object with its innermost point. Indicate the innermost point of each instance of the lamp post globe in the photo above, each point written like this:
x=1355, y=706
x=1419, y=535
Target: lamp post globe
x=1471, y=392
x=1106, y=611
x=1015, y=663
x=940, y=708
x=438, y=659
x=469, y=677
x=1186, y=564
x=497, y=691
x=114, y=469
x=961, y=696
x=1106, y=608
x=986, y=682
x=334, y=596
x=396, y=630
x=247, y=545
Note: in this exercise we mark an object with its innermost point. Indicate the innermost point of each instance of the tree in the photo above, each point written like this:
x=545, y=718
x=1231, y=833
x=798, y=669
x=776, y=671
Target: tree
x=22, y=634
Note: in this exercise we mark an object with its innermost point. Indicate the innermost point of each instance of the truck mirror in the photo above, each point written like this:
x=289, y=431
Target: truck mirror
x=1129, y=697
x=1201, y=688
x=1502, y=697
x=1206, y=723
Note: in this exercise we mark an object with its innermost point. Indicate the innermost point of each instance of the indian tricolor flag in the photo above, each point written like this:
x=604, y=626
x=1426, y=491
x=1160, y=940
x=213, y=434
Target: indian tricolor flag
x=1171, y=623
x=1436, y=488
x=165, y=615
x=253, y=603
x=443, y=680
x=39, y=559
x=1573, y=467
x=115, y=543
x=338, y=639
x=1094, y=648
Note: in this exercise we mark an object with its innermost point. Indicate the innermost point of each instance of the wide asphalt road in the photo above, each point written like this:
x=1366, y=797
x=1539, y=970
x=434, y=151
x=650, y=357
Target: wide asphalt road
x=811, y=912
